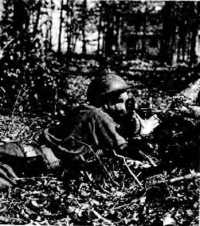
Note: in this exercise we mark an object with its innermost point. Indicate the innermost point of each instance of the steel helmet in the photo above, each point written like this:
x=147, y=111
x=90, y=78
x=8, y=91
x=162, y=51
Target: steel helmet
x=104, y=86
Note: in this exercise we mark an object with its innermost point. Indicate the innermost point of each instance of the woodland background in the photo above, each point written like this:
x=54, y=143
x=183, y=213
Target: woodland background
x=49, y=51
x=49, y=46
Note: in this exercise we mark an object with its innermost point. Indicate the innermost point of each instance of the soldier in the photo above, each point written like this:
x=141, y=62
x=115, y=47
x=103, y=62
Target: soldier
x=107, y=124
x=101, y=125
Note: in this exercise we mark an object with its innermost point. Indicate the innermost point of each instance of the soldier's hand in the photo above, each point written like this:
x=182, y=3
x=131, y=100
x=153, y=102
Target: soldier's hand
x=149, y=125
x=52, y=162
x=195, y=110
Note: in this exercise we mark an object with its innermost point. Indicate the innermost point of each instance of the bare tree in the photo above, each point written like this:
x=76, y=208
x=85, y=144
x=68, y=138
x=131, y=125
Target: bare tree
x=60, y=27
x=84, y=17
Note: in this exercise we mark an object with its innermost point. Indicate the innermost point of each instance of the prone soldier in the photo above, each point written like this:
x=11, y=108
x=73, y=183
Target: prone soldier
x=101, y=125
x=101, y=128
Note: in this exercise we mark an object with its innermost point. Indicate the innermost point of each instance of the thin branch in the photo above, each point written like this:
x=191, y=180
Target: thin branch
x=129, y=170
x=186, y=177
x=148, y=158
x=33, y=178
x=99, y=216
x=13, y=112
x=99, y=160
x=132, y=174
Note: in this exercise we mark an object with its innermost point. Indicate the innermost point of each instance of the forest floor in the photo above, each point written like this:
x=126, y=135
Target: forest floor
x=124, y=194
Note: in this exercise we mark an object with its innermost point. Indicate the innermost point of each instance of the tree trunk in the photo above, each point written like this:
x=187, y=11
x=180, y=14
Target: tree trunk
x=84, y=12
x=108, y=30
x=99, y=32
x=20, y=16
x=70, y=26
x=119, y=33
x=50, y=27
x=37, y=17
x=193, y=57
x=60, y=27
x=194, y=33
x=168, y=33
x=144, y=37
x=116, y=30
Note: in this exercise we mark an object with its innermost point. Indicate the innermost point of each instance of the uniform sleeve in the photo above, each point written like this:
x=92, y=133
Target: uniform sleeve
x=105, y=132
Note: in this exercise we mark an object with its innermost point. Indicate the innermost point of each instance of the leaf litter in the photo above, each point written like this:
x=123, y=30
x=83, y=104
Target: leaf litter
x=169, y=193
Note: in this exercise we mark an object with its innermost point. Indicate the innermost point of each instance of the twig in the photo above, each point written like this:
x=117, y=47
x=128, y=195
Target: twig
x=186, y=177
x=132, y=174
x=104, y=190
x=130, y=171
x=177, y=179
x=124, y=205
x=147, y=158
x=33, y=178
x=56, y=142
x=101, y=217
x=11, y=202
x=8, y=43
x=13, y=111
x=8, y=219
x=99, y=160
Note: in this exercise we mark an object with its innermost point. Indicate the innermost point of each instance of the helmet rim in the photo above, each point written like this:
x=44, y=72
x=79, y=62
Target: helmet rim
x=104, y=86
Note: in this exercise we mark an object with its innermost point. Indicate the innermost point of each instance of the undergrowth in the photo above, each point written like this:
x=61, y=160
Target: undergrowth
x=114, y=197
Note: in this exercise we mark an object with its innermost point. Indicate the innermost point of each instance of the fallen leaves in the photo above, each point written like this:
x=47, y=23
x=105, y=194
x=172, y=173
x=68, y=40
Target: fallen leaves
x=95, y=200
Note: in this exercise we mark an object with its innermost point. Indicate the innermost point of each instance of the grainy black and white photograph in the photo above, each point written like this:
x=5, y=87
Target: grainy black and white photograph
x=99, y=112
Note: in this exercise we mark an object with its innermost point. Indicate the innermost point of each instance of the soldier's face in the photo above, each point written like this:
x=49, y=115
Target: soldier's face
x=116, y=104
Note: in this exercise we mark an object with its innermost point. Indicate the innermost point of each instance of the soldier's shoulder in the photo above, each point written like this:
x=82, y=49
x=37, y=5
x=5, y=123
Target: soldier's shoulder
x=92, y=111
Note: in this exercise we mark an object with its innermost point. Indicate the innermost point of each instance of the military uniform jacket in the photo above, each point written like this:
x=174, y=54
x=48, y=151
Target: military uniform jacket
x=84, y=133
